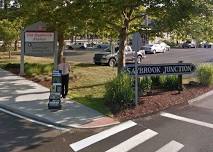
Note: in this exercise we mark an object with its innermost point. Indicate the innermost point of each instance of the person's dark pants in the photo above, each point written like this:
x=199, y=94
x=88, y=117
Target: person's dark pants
x=65, y=85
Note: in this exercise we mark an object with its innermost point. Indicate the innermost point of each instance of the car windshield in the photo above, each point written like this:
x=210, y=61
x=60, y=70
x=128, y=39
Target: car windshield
x=109, y=50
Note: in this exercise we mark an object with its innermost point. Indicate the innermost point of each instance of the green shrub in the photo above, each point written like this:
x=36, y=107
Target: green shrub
x=205, y=74
x=145, y=84
x=119, y=92
x=37, y=69
x=155, y=80
x=169, y=82
x=162, y=81
x=12, y=66
x=47, y=68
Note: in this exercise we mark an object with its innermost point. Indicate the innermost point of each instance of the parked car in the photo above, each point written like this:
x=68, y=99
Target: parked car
x=188, y=44
x=111, y=58
x=102, y=46
x=165, y=46
x=78, y=45
x=208, y=45
x=154, y=48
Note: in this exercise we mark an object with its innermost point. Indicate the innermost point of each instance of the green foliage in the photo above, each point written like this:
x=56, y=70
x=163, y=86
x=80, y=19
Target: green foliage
x=171, y=43
x=145, y=84
x=119, y=92
x=205, y=74
x=155, y=80
x=31, y=68
x=37, y=69
x=169, y=82
x=9, y=33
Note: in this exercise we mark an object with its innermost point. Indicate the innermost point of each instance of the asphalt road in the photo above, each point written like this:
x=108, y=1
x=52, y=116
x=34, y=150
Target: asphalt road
x=18, y=135
x=196, y=56
x=183, y=128
x=192, y=132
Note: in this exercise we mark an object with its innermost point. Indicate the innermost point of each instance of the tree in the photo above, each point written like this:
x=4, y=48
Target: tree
x=127, y=16
x=9, y=33
x=65, y=17
x=10, y=25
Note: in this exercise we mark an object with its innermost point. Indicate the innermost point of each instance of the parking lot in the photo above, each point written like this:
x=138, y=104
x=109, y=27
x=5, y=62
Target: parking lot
x=195, y=55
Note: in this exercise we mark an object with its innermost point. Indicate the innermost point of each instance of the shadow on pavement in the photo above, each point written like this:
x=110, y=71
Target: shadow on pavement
x=17, y=134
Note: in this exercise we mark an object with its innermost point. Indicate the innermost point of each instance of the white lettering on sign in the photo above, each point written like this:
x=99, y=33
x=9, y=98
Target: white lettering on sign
x=39, y=36
x=148, y=70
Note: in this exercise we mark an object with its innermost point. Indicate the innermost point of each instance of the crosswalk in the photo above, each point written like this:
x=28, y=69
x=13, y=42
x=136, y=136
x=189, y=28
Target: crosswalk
x=129, y=144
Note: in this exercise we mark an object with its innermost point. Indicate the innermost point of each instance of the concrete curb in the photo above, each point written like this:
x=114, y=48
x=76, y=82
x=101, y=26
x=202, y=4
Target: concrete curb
x=43, y=120
x=201, y=97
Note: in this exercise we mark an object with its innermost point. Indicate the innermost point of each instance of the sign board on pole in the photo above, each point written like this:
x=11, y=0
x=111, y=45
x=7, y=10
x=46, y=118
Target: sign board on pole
x=39, y=36
x=159, y=69
x=39, y=43
x=36, y=40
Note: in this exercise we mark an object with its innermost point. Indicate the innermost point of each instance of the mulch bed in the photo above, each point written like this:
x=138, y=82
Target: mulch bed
x=157, y=101
x=160, y=100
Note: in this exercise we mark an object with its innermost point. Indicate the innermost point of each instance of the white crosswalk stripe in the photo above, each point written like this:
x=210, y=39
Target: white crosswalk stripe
x=172, y=146
x=127, y=145
x=188, y=120
x=134, y=141
x=102, y=135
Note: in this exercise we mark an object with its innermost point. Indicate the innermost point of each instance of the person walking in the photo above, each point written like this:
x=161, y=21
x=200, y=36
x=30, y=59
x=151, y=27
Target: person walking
x=65, y=69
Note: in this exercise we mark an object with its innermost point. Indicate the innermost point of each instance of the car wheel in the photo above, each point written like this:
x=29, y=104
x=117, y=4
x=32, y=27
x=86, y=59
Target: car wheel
x=139, y=59
x=97, y=63
x=82, y=47
x=154, y=51
x=112, y=62
x=70, y=48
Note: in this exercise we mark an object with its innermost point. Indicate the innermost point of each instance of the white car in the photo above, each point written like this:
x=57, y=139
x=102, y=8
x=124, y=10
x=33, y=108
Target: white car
x=165, y=46
x=78, y=45
x=154, y=48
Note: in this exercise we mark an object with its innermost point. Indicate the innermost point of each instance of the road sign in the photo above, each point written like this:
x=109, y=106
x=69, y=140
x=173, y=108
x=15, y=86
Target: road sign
x=159, y=69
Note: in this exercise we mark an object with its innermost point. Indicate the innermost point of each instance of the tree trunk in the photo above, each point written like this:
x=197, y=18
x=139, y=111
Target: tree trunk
x=61, y=46
x=9, y=54
x=122, y=43
x=16, y=45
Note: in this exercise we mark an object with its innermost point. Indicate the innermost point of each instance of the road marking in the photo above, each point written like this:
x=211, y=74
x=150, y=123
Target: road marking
x=172, y=146
x=34, y=121
x=200, y=123
x=134, y=141
x=102, y=135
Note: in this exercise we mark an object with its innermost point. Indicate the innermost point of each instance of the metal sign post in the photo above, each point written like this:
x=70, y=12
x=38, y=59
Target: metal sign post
x=136, y=45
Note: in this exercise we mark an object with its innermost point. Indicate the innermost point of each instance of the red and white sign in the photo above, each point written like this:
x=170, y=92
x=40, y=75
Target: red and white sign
x=39, y=36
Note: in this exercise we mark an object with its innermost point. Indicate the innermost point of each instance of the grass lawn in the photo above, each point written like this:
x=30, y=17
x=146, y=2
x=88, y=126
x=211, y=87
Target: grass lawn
x=87, y=82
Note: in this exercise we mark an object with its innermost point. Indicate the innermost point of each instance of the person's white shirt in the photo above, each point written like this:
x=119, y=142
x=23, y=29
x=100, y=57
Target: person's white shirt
x=64, y=67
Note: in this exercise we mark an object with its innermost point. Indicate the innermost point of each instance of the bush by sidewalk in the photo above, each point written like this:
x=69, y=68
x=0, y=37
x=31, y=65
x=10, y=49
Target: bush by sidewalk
x=119, y=92
x=31, y=68
x=205, y=74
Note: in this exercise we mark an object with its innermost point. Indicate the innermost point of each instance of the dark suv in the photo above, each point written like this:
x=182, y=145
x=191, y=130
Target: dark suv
x=111, y=58
x=189, y=44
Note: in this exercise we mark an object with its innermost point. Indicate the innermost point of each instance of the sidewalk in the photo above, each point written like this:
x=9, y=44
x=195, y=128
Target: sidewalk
x=30, y=99
x=204, y=101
